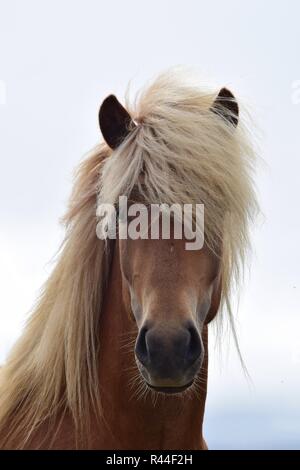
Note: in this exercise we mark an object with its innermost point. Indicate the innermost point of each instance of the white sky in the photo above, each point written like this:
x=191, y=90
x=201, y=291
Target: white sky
x=58, y=60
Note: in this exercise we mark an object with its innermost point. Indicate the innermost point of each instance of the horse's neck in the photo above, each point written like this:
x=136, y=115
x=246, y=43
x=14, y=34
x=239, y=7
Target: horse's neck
x=132, y=420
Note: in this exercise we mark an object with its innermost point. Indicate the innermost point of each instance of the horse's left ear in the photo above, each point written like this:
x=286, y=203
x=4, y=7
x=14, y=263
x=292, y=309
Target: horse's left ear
x=115, y=122
x=225, y=105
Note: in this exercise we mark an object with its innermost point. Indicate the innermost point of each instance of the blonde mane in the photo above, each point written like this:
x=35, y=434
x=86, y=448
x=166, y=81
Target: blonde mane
x=187, y=154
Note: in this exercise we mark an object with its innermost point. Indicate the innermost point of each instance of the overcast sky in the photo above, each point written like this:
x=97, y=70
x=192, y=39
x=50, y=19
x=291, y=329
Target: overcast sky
x=58, y=60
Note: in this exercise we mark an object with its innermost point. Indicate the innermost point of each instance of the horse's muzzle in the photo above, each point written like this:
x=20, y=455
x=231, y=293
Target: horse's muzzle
x=169, y=358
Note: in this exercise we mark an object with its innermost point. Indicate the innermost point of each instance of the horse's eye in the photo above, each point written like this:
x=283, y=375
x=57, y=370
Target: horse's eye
x=117, y=209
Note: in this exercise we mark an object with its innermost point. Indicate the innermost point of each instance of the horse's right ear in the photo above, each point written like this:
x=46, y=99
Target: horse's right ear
x=115, y=122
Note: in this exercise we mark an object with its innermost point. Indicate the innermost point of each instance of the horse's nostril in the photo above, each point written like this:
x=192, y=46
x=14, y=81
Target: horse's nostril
x=195, y=346
x=141, y=346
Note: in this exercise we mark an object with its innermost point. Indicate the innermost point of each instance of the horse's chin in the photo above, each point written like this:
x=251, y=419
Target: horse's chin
x=166, y=388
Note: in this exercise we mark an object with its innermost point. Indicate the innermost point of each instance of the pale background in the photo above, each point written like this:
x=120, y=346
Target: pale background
x=58, y=60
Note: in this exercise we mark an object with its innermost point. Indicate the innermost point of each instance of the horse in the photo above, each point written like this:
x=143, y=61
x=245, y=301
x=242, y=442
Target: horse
x=115, y=352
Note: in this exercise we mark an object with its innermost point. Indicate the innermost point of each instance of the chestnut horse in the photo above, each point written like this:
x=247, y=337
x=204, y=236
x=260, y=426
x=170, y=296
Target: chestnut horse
x=115, y=354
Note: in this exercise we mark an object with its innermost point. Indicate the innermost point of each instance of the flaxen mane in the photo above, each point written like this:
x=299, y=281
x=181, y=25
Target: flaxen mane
x=187, y=155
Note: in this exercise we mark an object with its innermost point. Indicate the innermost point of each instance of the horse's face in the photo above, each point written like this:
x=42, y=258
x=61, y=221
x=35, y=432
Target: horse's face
x=171, y=293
